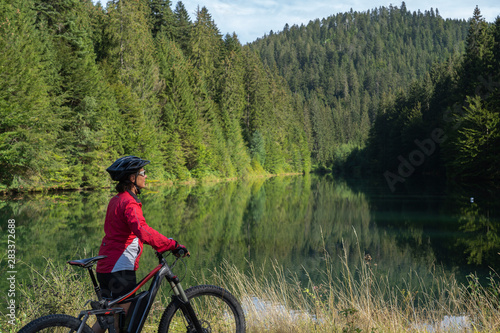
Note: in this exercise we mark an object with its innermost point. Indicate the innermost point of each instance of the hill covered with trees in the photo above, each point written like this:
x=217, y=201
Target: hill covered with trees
x=342, y=68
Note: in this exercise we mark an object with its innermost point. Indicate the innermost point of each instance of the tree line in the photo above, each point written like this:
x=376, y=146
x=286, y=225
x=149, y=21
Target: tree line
x=81, y=85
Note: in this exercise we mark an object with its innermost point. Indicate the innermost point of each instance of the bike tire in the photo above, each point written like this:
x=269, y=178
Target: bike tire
x=215, y=307
x=57, y=323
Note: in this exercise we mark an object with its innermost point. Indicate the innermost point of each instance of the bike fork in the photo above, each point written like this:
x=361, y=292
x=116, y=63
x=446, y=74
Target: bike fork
x=190, y=316
x=186, y=307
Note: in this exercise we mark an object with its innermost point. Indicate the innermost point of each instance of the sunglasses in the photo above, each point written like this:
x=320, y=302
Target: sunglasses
x=142, y=173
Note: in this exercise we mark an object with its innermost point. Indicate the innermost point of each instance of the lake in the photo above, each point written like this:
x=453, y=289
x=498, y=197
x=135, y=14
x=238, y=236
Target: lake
x=427, y=227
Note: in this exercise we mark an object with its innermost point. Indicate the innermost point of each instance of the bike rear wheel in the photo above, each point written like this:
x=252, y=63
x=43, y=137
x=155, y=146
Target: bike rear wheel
x=216, y=309
x=57, y=323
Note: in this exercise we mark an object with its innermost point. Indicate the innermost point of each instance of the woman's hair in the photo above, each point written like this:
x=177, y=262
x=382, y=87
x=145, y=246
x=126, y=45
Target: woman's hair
x=124, y=185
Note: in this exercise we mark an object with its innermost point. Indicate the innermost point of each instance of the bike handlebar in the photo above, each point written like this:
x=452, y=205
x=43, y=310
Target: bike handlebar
x=180, y=254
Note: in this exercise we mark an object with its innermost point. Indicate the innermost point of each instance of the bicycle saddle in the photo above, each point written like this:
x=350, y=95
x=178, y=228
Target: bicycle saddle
x=86, y=263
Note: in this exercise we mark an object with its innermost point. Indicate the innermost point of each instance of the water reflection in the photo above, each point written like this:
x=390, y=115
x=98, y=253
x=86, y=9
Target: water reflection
x=293, y=221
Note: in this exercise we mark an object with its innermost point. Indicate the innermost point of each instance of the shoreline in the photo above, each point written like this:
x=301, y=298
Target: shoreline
x=51, y=189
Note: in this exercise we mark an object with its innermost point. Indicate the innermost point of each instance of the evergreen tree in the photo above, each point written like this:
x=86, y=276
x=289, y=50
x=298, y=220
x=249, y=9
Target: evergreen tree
x=471, y=151
x=161, y=18
x=182, y=26
x=131, y=48
x=257, y=95
x=478, y=53
x=135, y=78
x=258, y=148
x=205, y=47
x=450, y=117
x=231, y=101
x=475, y=145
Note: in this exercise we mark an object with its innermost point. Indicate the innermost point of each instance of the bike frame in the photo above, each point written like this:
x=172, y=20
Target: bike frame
x=141, y=304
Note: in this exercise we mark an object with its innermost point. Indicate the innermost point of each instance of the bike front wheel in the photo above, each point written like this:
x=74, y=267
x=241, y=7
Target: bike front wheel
x=216, y=309
x=58, y=323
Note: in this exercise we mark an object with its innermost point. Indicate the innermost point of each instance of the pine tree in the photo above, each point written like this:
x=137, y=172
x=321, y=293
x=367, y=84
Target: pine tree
x=161, y=18
x=205, y=47
x=182, y=26
x=231, y=100
x=475, y=145
x=478, y=54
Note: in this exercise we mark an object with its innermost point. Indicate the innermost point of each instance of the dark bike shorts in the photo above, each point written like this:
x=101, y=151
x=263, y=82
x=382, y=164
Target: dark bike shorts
x=114, y=285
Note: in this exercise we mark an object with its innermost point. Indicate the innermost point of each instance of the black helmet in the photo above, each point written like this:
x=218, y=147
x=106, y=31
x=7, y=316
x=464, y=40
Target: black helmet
x=125, y=166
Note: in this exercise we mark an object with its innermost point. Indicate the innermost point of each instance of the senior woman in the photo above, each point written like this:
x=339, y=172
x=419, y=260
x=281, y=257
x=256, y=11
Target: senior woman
x=126, y=231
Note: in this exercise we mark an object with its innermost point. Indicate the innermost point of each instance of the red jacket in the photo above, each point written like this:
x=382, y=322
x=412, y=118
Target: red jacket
x=125, y=231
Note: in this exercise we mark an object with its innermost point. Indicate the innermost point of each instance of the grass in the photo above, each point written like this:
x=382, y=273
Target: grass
x=355, y=301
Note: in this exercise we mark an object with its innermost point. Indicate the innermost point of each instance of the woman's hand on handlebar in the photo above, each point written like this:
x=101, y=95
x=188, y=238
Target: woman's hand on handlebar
x=180, y=251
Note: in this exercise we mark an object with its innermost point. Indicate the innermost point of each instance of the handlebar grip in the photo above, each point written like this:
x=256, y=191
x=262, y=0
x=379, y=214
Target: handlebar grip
x=181, y=253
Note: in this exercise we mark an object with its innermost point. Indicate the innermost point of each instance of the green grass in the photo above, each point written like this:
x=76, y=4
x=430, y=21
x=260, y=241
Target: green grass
x=358, y=300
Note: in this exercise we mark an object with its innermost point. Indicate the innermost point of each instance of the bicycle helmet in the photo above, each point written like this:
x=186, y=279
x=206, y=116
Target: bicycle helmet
x=123, y=167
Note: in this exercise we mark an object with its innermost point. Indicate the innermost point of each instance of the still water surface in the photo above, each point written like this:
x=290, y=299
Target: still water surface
x=427, y=228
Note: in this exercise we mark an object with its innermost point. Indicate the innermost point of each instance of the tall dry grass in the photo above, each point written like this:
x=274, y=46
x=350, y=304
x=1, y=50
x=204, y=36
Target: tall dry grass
x=357, y=300
x=360, y=300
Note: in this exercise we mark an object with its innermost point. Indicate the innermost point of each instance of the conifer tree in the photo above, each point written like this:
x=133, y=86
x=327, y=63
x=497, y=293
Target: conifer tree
x=231, y=100
x=471, y=150
x=132, y=48
x=478, y=53
x=161, y=18
x=136, y=78
x=474, y=147
x=343, y=64
x=257, y=95
x=205, y=47
x=182, y=26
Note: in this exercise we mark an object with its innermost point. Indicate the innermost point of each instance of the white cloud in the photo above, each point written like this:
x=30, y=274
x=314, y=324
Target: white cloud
x=252, y=19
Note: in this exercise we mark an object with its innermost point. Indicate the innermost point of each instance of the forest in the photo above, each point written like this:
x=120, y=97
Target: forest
x=82, y=84
x=446, y=123
x=389, y=94
x=343, y=68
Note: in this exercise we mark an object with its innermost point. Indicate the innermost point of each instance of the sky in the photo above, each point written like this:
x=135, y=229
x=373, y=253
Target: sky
x=252, y=19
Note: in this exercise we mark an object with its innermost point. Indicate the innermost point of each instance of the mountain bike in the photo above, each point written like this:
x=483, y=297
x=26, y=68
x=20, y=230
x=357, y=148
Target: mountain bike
x=200, y=309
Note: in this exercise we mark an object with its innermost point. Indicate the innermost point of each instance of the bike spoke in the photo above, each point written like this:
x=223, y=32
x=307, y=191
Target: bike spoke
x=213, y=313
